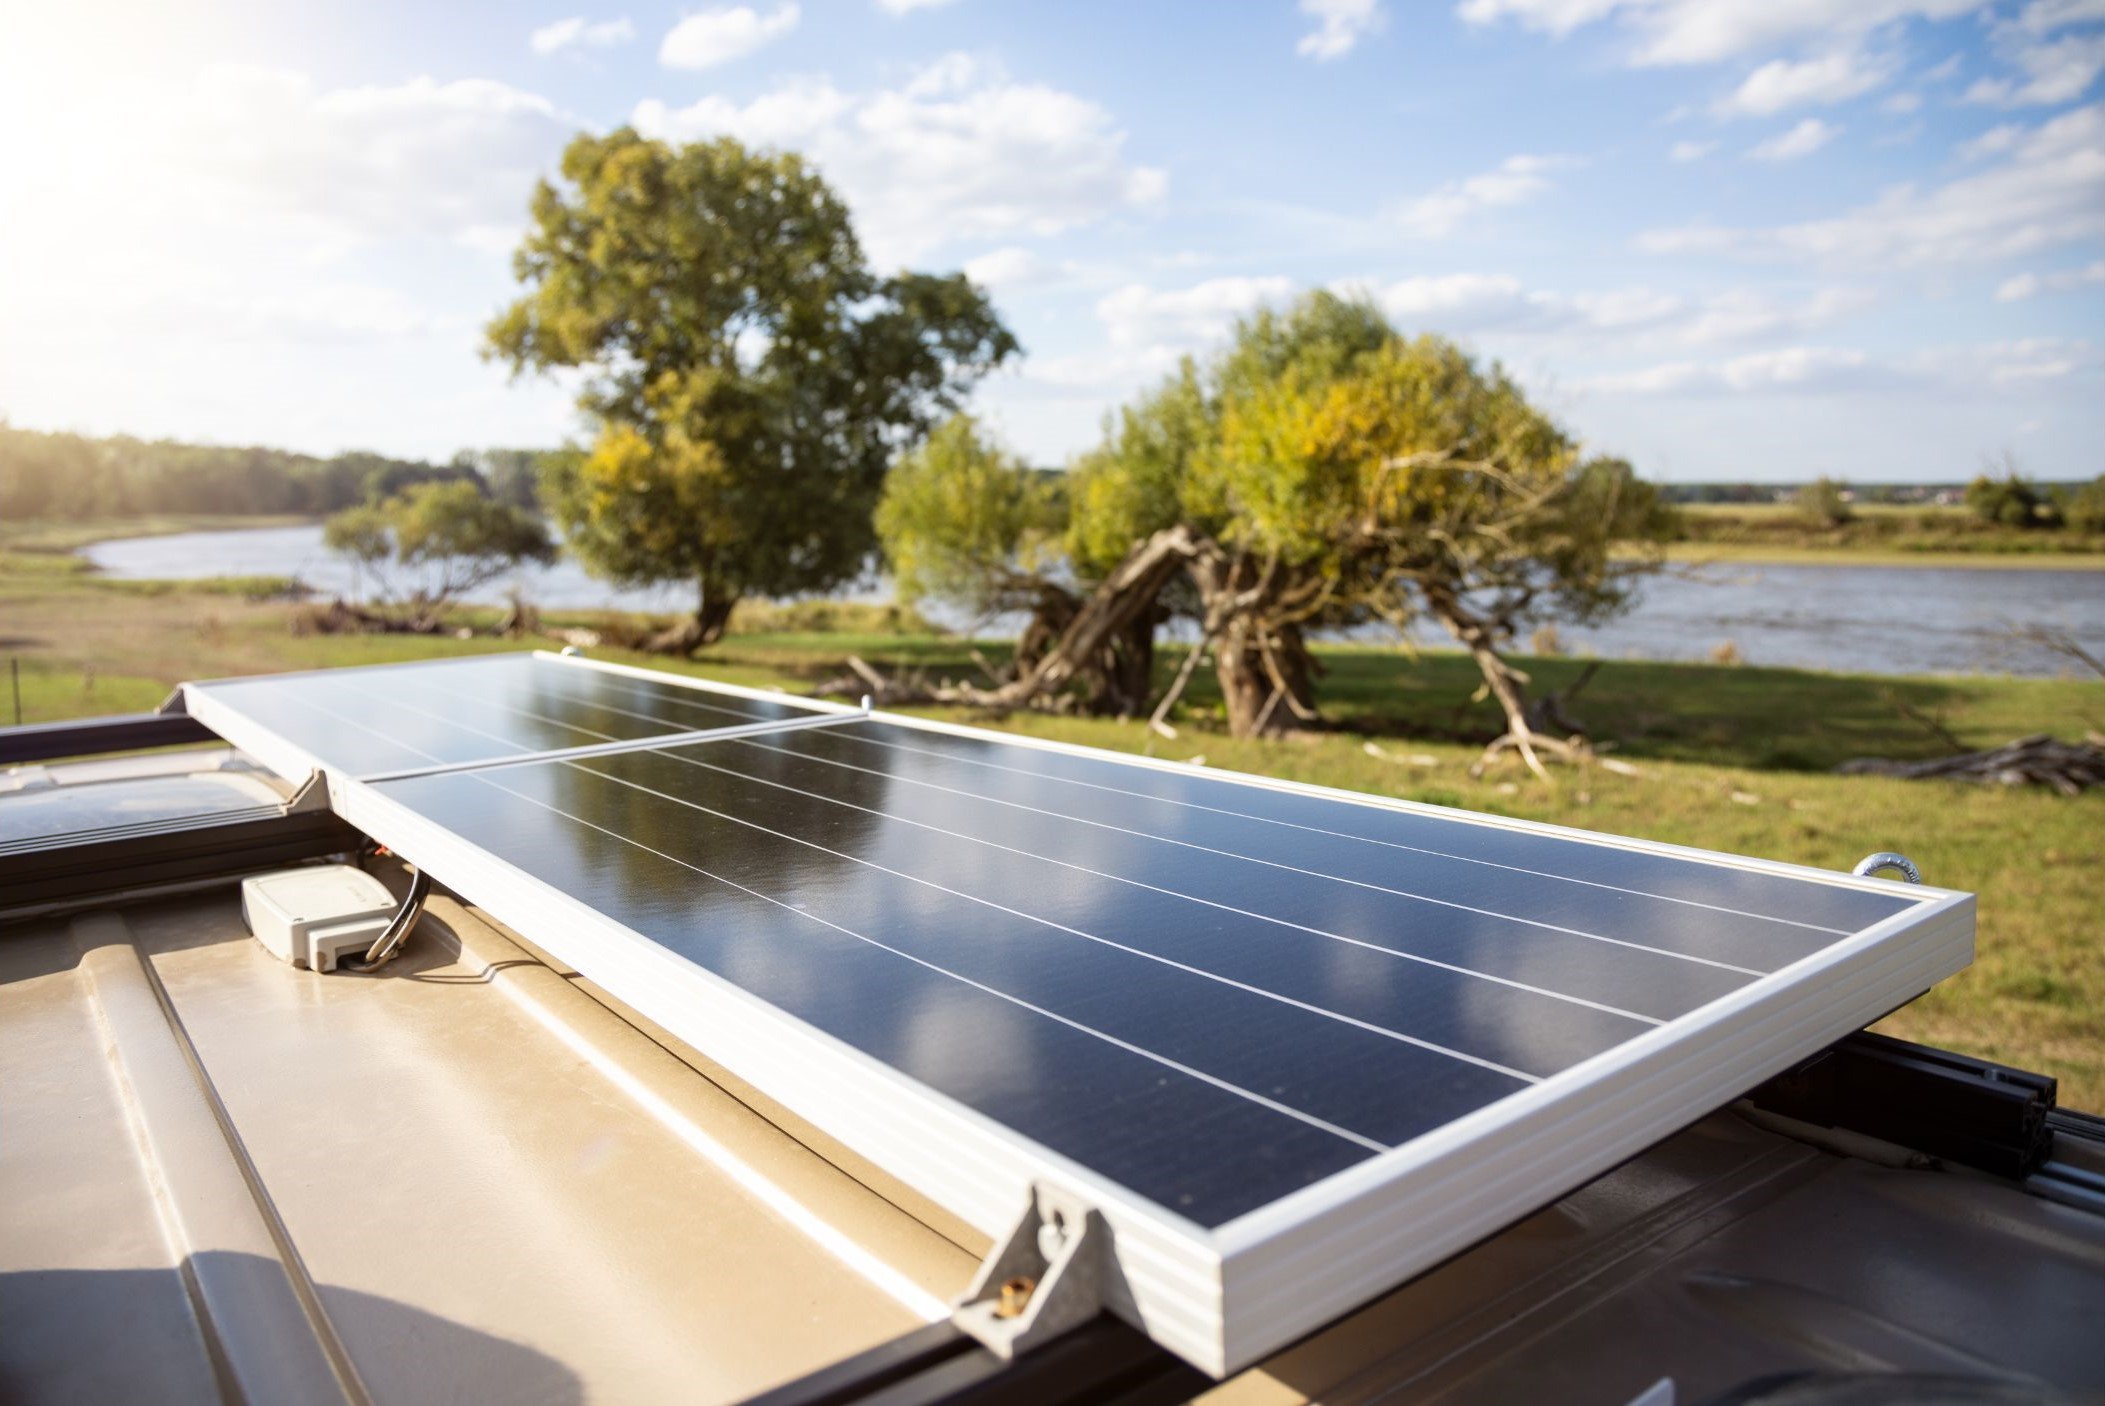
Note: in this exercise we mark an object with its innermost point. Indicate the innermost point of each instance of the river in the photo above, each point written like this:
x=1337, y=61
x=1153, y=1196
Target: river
x=1865, y=619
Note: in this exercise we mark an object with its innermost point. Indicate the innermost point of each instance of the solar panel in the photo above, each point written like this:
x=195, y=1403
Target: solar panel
x=1294, y=1044
x=409, y=717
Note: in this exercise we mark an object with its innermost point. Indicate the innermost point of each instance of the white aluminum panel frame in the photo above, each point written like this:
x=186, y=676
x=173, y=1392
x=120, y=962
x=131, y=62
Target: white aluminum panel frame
x=1227, y=1297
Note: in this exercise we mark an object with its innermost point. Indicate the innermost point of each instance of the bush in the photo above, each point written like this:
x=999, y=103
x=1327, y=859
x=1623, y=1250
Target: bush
x=1824, y=502
x=2011, y=500
x=2086, y=506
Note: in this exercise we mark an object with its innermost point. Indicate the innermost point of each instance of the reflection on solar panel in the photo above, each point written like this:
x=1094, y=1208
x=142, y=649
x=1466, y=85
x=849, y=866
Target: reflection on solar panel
x=1295, y=1045
x=410, y=717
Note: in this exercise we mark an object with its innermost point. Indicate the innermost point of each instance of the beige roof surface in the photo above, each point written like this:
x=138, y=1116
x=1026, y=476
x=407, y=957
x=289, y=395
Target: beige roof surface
x=463, y=1179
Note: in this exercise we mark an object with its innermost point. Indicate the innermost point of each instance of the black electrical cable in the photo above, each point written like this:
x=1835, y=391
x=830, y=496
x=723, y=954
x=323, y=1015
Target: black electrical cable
x=390, y=941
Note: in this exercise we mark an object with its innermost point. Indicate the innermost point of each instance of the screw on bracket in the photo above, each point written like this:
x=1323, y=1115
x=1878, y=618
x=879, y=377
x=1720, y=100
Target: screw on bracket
x=1015, y=1296
x=1048, y=1275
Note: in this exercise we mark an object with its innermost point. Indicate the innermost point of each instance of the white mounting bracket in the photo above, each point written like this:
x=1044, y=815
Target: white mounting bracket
x=313, y=794
x=1049, y=1274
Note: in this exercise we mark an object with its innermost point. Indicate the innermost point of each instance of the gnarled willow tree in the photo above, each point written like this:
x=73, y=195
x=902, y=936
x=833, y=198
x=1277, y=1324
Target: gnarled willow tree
x=1324, y=471
x=749, y=376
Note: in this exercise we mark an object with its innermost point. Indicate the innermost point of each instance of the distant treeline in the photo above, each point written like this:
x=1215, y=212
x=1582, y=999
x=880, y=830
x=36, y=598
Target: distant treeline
x=1898, y=493
x=73, y=477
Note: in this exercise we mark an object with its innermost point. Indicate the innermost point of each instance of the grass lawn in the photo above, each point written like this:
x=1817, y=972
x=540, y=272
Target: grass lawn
x=1734, y=759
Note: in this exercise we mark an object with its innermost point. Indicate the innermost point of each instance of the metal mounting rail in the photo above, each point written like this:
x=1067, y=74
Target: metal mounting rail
x=1102, y=1363
x=633, y=744
x=88, y=737
x=1951, y=1106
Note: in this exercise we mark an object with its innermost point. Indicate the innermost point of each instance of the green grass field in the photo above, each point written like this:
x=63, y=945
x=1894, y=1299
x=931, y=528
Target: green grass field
x=1734, y=759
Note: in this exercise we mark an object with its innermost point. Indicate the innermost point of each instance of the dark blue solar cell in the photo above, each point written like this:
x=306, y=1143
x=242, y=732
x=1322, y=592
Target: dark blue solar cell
x=397, y=717
x=770, y=921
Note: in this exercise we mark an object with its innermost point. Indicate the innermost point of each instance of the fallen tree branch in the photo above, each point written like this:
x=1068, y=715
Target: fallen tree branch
x=2039, y=760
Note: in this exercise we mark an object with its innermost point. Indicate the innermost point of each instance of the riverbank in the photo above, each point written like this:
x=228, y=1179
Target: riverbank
x=1877, y=534
x=1734, y=759
x=1821, y=614
x=1970, y=559
x=54, y=535
x=1740, y=535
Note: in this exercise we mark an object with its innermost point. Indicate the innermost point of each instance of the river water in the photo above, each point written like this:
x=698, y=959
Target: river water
x=1864, y=619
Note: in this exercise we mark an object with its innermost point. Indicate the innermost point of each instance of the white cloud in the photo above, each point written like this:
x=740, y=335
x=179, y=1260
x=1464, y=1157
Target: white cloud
x=2028, y=361
x=1707, y=31
x=1514, y=181
x=903, y=7
x=1461, y=304
x=1465, y=304
x=1149, y=330
x=1138, y=316
x=2049, y=191
x=1801, y=369
x=578, y=32
x=718, y=36
x=347, y=165
x=1784, y=83
x=1738, y=315
x=1809, y=368
x=1011, y=267
x=2051, y=65
x=1685, y=152
x=2054, y=70
x=2045, y=16
x=1340, y=25
x=2031, y=285
x=1627, y=309
x=960, y=151
x=1993, y=142
x=1992, y=367
x=1802, y=140
x=1474, y=295
x=1901, y=104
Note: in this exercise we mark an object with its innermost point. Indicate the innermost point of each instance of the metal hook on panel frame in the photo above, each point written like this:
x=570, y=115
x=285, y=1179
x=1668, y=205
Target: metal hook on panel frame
x=1871, y=864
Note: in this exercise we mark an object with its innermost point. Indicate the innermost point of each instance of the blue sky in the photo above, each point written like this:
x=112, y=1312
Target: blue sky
x=1730, y=239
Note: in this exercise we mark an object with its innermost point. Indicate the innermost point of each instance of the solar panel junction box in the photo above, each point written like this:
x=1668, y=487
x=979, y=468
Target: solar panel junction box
x=1048, y=1275
x=310, y=917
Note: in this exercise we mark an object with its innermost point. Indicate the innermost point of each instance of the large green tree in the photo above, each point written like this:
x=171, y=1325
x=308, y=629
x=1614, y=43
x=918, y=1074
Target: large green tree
x=750, y=377
x=1325, y=470
x=1461, y=503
